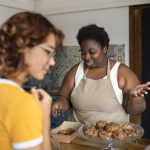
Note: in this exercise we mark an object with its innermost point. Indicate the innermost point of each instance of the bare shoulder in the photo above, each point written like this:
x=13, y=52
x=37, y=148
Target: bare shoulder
x=72, y=71
x=126, y=77
x=125, y=71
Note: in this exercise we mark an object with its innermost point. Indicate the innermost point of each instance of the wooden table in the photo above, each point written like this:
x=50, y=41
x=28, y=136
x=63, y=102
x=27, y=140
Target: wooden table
x=81, y=144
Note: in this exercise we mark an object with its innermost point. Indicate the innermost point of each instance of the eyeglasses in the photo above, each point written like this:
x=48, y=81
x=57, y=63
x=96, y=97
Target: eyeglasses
x=51, y=52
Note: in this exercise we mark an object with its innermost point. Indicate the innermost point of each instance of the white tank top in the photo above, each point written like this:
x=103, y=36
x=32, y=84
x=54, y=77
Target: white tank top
x=113, y=76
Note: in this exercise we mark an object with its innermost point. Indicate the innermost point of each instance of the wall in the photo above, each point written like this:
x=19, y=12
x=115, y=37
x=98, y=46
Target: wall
x=10, y=7
x=19, y=4
x=48, y=7
x=70, y=15
x=6, y=12
x=114, y=20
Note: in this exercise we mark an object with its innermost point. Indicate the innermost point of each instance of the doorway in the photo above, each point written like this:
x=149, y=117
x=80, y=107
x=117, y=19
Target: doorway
x=140, y=55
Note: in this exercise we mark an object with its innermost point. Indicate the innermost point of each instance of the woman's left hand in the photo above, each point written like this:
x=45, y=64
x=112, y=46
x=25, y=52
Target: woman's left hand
x=141, y=90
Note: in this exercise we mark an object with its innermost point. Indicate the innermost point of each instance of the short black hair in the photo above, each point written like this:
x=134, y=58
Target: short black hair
x=93, y=32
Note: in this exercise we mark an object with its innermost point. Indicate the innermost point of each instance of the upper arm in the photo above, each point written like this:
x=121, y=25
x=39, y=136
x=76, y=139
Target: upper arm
x=68, y=83
x=127, y=81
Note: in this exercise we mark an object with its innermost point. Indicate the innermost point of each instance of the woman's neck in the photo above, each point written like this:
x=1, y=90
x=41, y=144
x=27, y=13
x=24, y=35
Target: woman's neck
x=104, y=63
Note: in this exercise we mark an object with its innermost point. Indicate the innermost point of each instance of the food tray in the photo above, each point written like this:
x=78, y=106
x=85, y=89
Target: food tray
x=66, y=138
x=111, y=140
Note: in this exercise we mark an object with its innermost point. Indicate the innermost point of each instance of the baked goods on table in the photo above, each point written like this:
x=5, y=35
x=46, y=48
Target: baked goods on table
x=106, y=130
x=90, y=130
x=68, y=131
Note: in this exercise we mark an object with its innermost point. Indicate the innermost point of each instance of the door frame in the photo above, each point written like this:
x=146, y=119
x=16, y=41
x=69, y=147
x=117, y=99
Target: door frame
x=135, y=44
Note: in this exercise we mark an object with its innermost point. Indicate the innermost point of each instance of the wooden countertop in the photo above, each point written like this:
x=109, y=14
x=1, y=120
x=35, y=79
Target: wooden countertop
x=81, y=144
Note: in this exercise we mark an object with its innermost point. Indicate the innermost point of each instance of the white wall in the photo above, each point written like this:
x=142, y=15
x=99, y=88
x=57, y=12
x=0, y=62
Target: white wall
x=6, y=12
x=10, y=7
x=49, y=7
x=70, y=15
x=114, y=20
x=19, y=4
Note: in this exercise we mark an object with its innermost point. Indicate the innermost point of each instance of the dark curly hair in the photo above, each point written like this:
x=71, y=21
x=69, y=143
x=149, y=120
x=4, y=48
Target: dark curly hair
x=93, y=32
x=22, y=30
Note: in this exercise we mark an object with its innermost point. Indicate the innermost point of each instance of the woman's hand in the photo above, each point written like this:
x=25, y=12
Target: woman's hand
x=141, y=90
x=44, y=100
x=57, y=109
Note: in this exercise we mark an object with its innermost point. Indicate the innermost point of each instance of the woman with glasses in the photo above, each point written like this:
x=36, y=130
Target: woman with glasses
x=27, y=47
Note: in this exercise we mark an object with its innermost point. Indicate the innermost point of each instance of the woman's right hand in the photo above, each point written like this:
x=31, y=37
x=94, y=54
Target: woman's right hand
x=58, y=108
x=44, y=101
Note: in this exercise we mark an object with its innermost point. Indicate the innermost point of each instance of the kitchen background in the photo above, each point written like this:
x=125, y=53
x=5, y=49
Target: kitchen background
x=69, y=16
